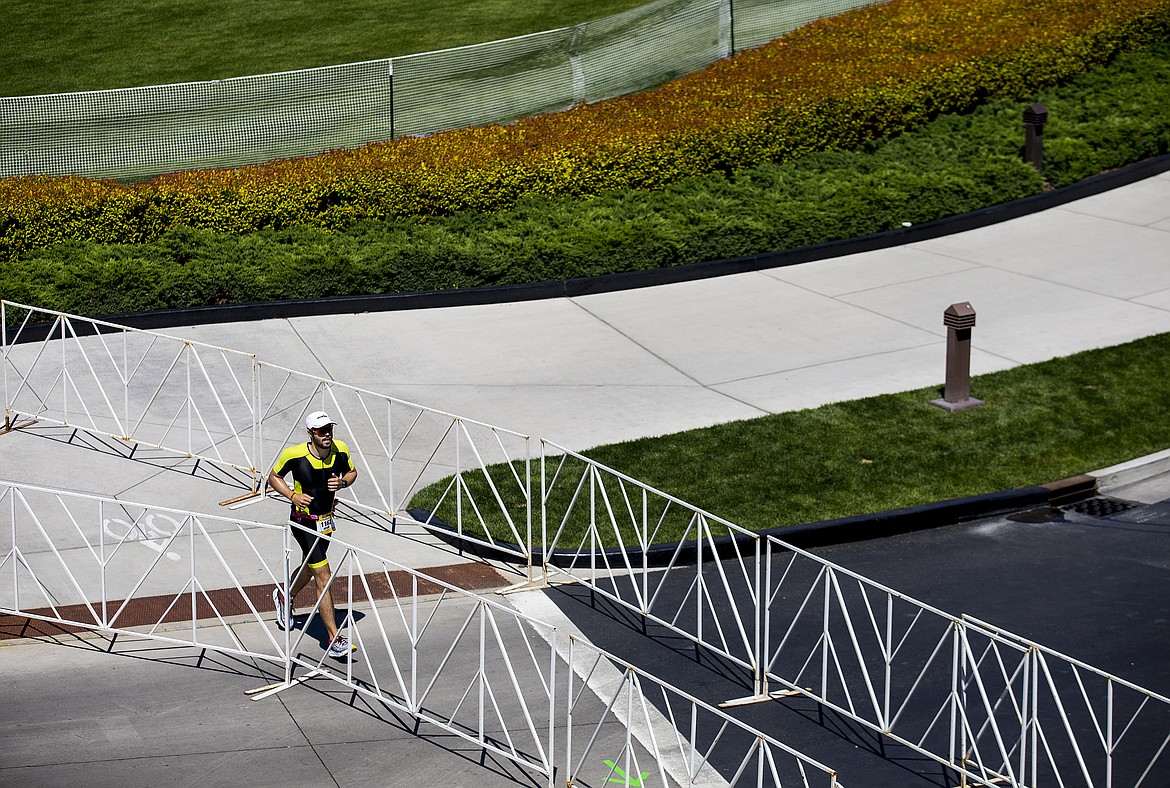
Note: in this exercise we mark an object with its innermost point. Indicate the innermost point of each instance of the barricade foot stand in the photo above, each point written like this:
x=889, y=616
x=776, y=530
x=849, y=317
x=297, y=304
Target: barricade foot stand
x=545, y=580
x=260, y=693
x=763, y=697
x=11, y=424
x=247, y=499
x=965, y=783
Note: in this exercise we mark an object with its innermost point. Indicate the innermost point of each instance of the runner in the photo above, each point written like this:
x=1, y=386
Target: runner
x=319, y=467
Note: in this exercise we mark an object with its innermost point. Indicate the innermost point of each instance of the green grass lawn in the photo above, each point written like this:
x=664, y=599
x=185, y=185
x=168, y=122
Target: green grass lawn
x=60, y=46
x=1041, y=422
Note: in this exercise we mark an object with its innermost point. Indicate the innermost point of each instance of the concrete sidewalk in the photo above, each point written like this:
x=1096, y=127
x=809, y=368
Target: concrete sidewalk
x=579, y=371
x=622, y=365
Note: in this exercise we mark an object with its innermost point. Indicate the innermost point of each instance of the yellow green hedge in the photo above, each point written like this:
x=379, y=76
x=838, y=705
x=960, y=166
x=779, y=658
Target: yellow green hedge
x=868, y=73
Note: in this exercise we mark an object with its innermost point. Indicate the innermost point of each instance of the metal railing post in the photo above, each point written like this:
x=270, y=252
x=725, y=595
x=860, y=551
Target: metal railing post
x=15, y=566
x=64, y=369
x=766, y=643
x=393, y=503
x=758, y=680
x=544, y=507
x=528, y=507
x=288, y=604
x=956, y=747
x=4, y=357
x=1033, y=688
x=125, y=383
x=258, y=463
x=552, y=706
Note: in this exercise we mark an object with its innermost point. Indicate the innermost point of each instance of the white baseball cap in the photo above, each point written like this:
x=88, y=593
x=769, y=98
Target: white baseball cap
x=317, y=420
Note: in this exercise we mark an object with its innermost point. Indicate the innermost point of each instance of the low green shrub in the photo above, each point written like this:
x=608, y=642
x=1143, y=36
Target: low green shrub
x=1108, y=122
x=541, y=239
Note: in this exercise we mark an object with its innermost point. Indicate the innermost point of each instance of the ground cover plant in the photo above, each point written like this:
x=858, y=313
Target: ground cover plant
x=50, y=46
x=959, y=162
x=867, y=74
x=1041, y=422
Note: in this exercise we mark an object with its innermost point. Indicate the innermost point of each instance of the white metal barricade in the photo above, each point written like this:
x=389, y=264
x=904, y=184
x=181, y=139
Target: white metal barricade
x=996, y=707
x=232, y=409
x=620, y=519
x=953, y=690
x=457, y=660
x=668, y=733
x=100, y=563
x=965, y=694
x=489, y=679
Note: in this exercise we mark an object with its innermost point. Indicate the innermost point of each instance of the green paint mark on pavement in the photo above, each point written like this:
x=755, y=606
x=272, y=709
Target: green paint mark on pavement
x=633, y=782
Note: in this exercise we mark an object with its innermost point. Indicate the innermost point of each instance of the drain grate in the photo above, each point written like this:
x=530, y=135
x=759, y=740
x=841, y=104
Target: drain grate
x=1100, y=506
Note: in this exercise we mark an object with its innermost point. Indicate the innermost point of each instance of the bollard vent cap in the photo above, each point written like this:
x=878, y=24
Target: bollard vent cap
x=960, y=315
x=1036, y=115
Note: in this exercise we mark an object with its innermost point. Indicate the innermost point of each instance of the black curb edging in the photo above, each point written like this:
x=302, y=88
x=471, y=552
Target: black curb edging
x=608, y=283
x=806, y=535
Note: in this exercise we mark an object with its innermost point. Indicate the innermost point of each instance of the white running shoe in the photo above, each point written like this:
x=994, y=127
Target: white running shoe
x=340, y=647
x=278, y=600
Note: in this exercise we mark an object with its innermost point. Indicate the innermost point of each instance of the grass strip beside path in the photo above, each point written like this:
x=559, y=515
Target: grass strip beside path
x=1041, y=423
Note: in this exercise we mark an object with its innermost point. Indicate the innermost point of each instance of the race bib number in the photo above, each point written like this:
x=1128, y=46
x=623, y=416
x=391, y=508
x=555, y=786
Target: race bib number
x=325, y=524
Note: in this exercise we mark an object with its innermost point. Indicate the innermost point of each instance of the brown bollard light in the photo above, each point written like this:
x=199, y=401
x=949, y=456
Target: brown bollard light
x=1035, y=117
x=959, y=320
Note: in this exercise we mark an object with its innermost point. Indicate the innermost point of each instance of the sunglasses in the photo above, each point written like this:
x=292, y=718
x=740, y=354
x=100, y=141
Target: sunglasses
x=326, y=430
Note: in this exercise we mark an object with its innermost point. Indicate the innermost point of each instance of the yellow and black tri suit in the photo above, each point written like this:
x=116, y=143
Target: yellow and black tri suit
x=311, y=476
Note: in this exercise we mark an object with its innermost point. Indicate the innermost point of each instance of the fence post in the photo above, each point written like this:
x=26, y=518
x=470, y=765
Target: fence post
x=731, y=26
x=391, y=63
x=552, y=706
